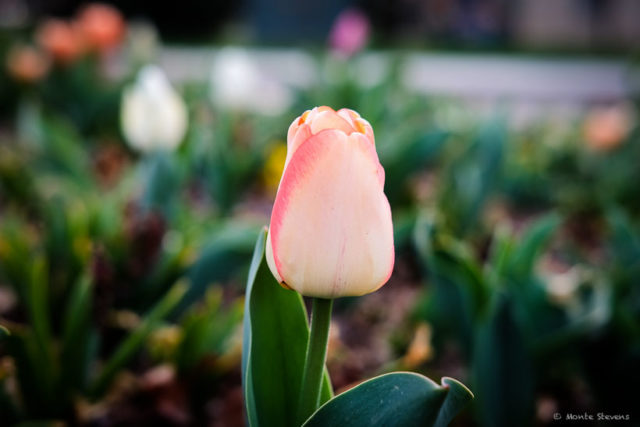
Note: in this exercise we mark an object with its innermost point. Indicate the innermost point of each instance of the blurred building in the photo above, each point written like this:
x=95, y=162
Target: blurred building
x=583, y=25
x=529, y=24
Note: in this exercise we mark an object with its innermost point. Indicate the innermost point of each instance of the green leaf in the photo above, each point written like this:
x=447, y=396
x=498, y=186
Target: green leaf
x=473, y=177
x=37, y=302
x=136, y=339
x=275, y=338
x=207, y=329
x=532, y=243
x=161, y=183
x=408, y=155
x=39, y=341
x=79, y=340
x=502, y=368
x=226, y=252
x=459, y=293
x=395, y=399
x=624, y=241
x=35, y=372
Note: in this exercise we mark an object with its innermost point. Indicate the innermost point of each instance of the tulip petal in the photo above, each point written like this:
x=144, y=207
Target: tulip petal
x=293, y=128
x=153, y=115
x=330, y=120
x=270, y=260
x=357, y=122
x=135, y=124
x=331, y=196
x=303, y=132
x=348, y=115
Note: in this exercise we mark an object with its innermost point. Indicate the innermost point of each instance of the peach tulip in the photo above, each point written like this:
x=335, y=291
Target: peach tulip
x=331, y=233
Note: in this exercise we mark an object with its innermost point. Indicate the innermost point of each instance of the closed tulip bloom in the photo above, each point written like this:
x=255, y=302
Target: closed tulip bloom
x=27, y=64
x=153, y=115
x=350, y=33
x=238, y=83
x=331, y=233
x=102, y=26
x=606, y=128
x=60, y=39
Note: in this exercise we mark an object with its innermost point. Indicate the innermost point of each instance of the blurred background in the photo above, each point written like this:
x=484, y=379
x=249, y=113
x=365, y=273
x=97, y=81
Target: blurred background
x=142, y=143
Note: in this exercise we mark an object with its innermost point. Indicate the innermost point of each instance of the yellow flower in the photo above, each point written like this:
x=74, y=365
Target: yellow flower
x=274, y=166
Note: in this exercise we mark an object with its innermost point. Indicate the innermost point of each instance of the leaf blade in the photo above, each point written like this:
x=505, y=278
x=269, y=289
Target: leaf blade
x=275, y=337
x=395, y=399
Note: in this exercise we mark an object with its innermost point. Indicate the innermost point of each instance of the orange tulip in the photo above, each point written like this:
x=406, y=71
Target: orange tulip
x=60, y=39
x=605, y=128
x=27, y=64
x=331, y=233
x=101, y=26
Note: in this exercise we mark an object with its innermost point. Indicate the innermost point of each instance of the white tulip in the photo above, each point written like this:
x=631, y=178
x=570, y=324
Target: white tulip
x=153, y=115
x=237, y=83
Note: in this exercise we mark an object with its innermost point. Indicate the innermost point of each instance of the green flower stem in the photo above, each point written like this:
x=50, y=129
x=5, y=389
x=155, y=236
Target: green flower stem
x=315, y=358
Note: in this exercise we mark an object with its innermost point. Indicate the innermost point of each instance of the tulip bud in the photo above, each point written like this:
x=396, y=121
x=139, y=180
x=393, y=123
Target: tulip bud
x=101, y=26
x=606, y=128
x=349, y=33
x=238, y=83
x=60, y=40
x=153, y=115
x=331, y=233
x=27, y=64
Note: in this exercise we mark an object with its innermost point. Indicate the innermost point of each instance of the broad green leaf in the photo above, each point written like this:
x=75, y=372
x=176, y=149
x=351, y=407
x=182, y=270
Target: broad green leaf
x=458, y=396
x=458, y=289
x=503, y=371
x=275, y=339
x=473, y=177
x=396, y=399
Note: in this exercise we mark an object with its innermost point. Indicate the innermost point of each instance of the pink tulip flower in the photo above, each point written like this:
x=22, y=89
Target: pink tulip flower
x=350, y=33
x=331, y=233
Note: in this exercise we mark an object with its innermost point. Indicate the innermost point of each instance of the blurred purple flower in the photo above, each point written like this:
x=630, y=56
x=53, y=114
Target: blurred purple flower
x=350, y=32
